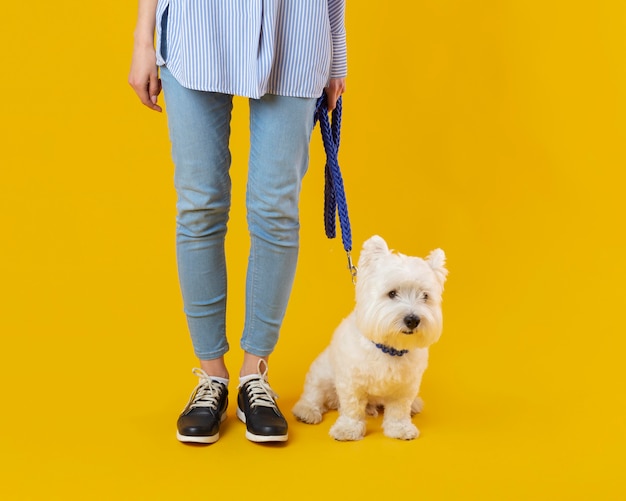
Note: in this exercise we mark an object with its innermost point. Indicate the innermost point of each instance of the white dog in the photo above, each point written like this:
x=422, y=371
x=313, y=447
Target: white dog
x=379, y=352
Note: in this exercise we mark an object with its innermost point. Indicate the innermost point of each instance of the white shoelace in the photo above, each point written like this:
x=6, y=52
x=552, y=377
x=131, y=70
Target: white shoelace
x=206, y=393
x=259, y=391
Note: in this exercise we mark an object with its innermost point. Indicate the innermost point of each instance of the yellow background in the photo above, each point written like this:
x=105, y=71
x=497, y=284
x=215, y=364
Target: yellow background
x=492, y=129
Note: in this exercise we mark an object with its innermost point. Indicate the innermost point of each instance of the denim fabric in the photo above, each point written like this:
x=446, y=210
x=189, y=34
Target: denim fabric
x=280, y=131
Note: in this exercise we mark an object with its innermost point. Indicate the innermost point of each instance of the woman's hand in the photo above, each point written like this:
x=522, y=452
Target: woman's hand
x=144, y=77
x=336, y=87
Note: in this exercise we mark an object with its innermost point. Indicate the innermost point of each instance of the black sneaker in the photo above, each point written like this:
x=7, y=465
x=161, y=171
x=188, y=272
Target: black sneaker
x=256, y=406
x=200, y=420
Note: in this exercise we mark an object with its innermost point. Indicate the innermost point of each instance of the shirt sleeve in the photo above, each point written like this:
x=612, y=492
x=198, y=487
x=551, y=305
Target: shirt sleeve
x=339, y=63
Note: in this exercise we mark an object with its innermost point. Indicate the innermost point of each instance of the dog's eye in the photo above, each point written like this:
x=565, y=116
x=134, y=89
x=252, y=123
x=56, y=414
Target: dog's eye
x=425, y=296
x=393, y=294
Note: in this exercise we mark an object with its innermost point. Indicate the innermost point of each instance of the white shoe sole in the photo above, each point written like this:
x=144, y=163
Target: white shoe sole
x=190, y=439
x=201, y=439
x=260, y=438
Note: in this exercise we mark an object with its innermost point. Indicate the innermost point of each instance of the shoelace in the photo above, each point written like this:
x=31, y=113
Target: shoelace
x=259, y=391
x=206, y=393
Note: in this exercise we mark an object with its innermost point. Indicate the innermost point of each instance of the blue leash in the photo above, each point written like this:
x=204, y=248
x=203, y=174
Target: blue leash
x=334, y=193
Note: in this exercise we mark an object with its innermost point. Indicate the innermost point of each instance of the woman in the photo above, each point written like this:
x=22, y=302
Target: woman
x=280, y=54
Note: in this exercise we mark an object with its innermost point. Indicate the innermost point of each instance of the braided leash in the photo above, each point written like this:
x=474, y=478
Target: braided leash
x=334, y=193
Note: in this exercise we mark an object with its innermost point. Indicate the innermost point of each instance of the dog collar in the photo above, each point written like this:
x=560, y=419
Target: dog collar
x=389, y=350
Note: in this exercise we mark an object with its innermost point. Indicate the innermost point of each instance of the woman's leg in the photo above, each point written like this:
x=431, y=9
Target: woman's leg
x=199, y=124
x=280, y=132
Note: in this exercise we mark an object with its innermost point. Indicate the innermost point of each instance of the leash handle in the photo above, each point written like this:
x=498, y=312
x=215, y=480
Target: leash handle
x=334, y=192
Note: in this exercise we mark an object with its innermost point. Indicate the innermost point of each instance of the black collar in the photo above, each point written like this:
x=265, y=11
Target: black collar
x=389, y=350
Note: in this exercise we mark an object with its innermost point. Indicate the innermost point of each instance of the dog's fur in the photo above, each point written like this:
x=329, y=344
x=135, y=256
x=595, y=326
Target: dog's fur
x=394, y=292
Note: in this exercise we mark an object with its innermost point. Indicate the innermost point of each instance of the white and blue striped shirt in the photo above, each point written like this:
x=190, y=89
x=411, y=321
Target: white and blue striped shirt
x=253, y=47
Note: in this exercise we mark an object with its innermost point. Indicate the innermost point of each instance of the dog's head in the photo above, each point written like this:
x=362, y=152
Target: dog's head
x=398, y=297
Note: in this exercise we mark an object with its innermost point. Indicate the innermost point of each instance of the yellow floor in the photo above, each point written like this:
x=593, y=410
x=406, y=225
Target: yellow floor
x=494, y=130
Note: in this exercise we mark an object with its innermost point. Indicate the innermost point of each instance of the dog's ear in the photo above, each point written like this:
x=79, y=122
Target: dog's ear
x=437, y=261
x=373, y=248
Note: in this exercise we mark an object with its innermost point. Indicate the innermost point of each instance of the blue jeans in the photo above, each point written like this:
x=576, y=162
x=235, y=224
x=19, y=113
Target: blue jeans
x=280, y=132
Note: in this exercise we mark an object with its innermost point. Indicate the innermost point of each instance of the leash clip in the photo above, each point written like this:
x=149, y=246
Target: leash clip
x=352, y=269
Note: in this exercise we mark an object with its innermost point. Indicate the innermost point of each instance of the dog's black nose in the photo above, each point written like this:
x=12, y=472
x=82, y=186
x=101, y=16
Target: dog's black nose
x=411, y=321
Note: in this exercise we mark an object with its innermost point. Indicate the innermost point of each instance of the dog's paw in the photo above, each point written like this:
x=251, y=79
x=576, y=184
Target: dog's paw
x=346, y=428
x=404, y=430
x=417, y=406
x=371, y=410
x=307, y=413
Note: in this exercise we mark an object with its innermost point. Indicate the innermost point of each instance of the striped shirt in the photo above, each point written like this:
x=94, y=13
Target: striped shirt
x=253, y=47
